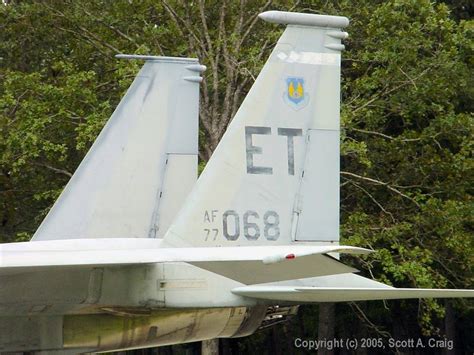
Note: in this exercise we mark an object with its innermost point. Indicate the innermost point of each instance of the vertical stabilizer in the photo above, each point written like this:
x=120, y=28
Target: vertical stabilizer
x=142, y=165
x=274, y=177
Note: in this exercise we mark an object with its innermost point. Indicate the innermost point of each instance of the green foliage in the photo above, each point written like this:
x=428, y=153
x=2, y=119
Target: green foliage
x=408, y=148
x=407, y=117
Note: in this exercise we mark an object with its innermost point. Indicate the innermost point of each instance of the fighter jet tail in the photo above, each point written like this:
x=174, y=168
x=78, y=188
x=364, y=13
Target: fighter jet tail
x=266, y=201
x=274, y=177
x=143, y=164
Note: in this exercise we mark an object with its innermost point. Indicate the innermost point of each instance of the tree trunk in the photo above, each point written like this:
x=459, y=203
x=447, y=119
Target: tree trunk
x=326, y=325
x=210, y=347
x=450, y=327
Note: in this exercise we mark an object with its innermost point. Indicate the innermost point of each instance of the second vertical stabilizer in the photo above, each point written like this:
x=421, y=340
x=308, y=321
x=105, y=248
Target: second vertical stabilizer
x=143, y=164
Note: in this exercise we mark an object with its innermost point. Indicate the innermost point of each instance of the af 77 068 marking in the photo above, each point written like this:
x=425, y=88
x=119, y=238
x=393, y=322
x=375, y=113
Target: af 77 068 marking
x=253, y=225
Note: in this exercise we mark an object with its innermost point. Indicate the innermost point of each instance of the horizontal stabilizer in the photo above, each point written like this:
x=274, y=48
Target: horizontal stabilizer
x=244, y=264
x=255, y=272
x=343, y=294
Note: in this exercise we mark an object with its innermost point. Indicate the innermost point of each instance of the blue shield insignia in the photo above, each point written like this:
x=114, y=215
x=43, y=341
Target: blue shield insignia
x=295, y=94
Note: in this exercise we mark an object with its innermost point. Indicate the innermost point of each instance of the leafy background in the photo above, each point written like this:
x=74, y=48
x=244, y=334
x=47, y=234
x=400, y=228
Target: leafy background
x=406, y=146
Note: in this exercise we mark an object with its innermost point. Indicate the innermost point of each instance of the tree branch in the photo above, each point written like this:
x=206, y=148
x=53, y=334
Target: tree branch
x=378, y=182
x=56, y=170
x=374, y=200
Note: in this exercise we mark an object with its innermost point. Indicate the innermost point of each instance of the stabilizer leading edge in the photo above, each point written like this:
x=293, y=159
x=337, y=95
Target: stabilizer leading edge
x=344, y=294
x=248, y=265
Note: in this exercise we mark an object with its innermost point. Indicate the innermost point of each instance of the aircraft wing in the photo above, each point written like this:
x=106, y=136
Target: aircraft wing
x=344, y=294
x=244, y=264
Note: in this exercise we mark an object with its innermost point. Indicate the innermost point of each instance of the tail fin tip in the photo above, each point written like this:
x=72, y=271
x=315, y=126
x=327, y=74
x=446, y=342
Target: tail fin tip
x=295, y=18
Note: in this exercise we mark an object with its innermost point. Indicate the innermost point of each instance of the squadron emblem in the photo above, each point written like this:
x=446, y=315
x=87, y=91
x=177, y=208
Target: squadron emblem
x=295, y=94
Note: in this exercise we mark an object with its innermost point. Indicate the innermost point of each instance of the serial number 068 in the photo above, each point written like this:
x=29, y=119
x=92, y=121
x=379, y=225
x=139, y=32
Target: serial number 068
x=252, y=225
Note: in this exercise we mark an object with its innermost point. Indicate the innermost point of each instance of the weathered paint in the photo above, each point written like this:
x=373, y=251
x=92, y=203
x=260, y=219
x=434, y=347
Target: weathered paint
x=119, y=189
x=164, y=327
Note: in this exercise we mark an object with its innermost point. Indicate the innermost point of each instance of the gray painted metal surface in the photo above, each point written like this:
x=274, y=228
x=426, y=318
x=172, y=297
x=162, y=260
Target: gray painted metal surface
x=294, y=18
x=343, y=294
x=44, y=255
x=124, y=185
x=318, y=198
